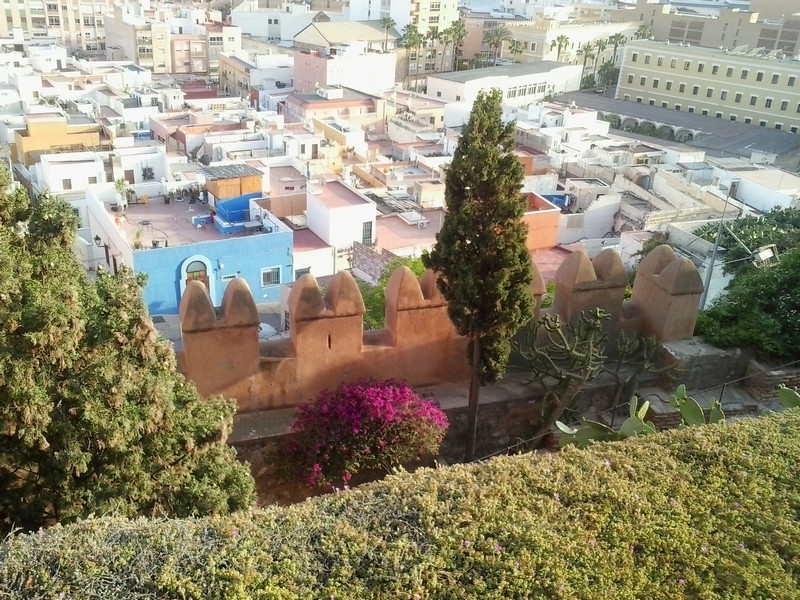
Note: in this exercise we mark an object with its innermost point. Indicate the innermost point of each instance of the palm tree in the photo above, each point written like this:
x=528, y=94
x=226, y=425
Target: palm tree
x=616, y=40
x=412, y=38
x=600, y=46
x=587, y=54
x=457, y=34
x=644, y=32
x=495, y=37
x=608, y=73
x=515, y=48
x=445, y=37
x=387, y=23
x=560, y=43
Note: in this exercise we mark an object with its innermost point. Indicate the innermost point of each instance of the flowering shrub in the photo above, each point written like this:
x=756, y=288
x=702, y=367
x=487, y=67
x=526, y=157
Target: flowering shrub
x=365, y=425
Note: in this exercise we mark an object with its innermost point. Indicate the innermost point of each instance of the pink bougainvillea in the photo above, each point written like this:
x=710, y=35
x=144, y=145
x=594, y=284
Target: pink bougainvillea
x=369, y=424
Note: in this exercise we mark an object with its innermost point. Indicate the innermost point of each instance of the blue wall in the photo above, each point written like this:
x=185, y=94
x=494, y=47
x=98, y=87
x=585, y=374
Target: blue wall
x=243, y=257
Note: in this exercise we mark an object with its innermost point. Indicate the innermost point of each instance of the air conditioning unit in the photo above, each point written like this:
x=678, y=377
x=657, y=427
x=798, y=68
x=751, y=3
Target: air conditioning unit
x=422, y=224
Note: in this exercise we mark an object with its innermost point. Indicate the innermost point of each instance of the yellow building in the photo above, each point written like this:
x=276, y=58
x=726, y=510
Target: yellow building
x=56, y=132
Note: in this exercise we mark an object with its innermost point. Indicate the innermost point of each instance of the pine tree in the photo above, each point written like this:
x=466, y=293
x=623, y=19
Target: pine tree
x=480, y=253
x=94, y=417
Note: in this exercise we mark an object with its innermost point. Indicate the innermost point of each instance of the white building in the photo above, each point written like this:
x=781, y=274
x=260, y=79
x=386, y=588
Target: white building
x=521, y=84
x=347, y=65
x=339, y=215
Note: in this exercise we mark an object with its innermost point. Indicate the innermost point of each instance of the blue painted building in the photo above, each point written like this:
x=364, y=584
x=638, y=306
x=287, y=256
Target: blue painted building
x=236, y=238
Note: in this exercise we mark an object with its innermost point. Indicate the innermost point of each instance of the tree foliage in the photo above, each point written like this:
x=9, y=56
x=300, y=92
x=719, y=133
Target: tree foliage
x=373, y=295
x=780, y=227
x=95, y=417
x=481, y=251
x=760, y=310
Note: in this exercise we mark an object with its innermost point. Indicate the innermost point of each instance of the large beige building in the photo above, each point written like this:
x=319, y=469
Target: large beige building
x=77, y=24
x=774, y=29
x=754, y=87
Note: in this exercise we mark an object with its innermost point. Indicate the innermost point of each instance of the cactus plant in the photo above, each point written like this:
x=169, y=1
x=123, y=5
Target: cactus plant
x=691, y=412
x=788, y=397
x=594, y=431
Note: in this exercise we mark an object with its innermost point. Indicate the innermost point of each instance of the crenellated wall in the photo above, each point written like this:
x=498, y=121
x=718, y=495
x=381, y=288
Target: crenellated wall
x=327, y=343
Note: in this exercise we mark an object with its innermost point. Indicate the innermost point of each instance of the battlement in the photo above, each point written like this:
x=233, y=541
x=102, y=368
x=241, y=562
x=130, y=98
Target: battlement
x=327, y=343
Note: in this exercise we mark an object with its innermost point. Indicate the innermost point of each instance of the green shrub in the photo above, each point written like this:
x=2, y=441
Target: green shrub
x=705, y=512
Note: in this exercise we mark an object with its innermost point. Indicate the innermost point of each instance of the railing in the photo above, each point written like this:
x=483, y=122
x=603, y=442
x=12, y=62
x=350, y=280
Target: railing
x=233, y=216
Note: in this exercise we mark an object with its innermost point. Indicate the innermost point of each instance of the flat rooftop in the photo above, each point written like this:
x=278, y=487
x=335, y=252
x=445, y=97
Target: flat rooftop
x=171, y=222
x=518, y=70
x=395, y=235
x=335, y=194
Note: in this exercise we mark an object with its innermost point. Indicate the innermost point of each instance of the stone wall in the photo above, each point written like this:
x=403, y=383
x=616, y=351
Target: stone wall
x=328, y=344
x=762, y=383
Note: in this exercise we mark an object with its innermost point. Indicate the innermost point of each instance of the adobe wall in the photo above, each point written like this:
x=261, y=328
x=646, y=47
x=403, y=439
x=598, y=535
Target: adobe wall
x=327, y=343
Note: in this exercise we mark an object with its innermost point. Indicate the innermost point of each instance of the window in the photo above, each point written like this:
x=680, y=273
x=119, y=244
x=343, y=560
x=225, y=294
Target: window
x=438, y=94
x=687, y=65
x=639, y=99
x=677, y=107
x=723, y=95
x=762, y=123
x=715, y=69
x=775, y=78
x=748, y=120
x=704, y=112
x=760, y=76
x=196, y=271
x=793, y=129
x=792, y=79
x=778, y=125
x=66, y=184
x=744, y=73
x=768, y=103
x=92, y=179
x=784, y=104
x=458, y=98
x=798, y=107
x=718, y=115
x=655, y=84
x=642, y=80
x=630, y=78
x=709, y=92
x=269, y=276
x=652, y=102
x=673, y=63
x=700, y=67
x=626, y=97
x=691, y=109
x=669, y=85
x=635, y=57
x=729, y=72
x=53, y=21
x=753, y=100
x=660, y=61
x=366, y=233
x=737, y=98
x=733, y=117
x=663, y=105
x=647, y=59
x=695, y=89
x=298, y=273
x=682, y=88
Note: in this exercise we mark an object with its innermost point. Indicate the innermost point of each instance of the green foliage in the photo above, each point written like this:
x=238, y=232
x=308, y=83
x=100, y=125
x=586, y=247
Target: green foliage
x=705, y=512
x=788, y=397
x=481, y=251
x=563, y=358
x=373, y=295
x=691, y=412
x=780, y=227
x=760, y=310
x=96, y=419
x=594, y=431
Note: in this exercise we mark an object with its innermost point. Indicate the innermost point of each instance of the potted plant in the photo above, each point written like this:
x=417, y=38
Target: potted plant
x=137, y=240
x=168, y=197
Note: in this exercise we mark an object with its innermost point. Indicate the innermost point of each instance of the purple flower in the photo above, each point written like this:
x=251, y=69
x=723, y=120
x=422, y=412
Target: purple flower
x=681, y=581
x=234, y=534
x=704, y=550
x=592, y=543
x=498, y=548
x=467, y=543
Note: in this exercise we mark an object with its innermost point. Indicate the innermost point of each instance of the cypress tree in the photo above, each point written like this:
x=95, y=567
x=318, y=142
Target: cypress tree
x=481, y=255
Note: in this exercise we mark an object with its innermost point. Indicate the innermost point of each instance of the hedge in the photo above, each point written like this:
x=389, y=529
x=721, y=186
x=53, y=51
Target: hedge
x=706, y=512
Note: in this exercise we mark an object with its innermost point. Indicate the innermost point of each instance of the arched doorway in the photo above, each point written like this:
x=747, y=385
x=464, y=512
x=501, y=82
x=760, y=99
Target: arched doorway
x=197, y=271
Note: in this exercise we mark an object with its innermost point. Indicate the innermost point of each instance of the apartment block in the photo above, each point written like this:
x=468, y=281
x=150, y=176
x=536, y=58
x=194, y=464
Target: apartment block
x=774, y=28
x=750, y=86
x=77, y=24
